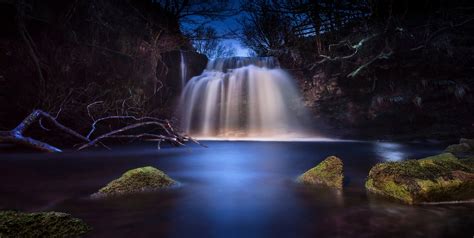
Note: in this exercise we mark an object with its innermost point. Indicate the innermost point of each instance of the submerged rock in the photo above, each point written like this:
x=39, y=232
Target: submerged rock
x=41, y=224
x=137, y=180
x=329, y=172
x=433, y=179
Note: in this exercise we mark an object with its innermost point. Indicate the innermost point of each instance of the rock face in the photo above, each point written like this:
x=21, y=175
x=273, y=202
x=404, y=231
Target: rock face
x=469, y=142
x=136, y=180
x=329, y=173
x=463, y=149
x=41, y=224
x=433, y=179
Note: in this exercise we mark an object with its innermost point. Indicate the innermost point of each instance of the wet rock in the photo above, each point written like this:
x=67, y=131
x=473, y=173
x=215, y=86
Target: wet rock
x=433, y=179
x=329, y=173
x=135, y=181
x=40, y=224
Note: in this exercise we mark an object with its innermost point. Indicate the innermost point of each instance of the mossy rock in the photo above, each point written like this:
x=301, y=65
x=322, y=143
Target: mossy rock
x=329, y=173
x=135, y=181
x=40, y=224
x=433, y=179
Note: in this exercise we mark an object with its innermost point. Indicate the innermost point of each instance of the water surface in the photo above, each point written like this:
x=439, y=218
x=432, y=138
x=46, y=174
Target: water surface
x=231, y=189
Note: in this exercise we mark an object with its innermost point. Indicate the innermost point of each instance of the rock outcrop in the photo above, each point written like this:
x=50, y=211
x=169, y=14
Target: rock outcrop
x=433, y=179
x=41, y=224
x=465, y=148
x=329, y=173
x=135, y=181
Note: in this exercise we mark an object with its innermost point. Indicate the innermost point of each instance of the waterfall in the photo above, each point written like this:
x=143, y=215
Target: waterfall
x=242, y=97
x=183, y=70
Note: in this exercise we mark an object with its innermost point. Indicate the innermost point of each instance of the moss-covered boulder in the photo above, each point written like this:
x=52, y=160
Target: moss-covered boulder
x=41, y=224
x=433, y=179
x=136, y=180
x=329, y=173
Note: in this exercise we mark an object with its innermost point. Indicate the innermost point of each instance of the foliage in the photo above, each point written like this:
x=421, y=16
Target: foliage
x=206, y=41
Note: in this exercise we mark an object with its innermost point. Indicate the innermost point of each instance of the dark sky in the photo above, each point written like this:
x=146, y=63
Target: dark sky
x=229, y=23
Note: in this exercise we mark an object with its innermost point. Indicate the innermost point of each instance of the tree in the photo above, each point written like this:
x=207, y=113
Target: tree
x=188, y=10
x=206, y=41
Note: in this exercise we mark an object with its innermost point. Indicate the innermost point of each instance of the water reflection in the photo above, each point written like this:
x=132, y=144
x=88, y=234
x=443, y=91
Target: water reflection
x=390, y=151
x=231, y=189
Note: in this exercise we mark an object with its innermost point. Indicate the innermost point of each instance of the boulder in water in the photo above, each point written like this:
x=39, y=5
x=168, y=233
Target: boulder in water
x=329, y=173
x=433, y=179
x=40, y=224
x=137, y=180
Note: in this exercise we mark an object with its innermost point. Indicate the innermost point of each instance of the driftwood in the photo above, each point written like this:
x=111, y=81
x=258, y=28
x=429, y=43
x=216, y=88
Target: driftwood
x=16, y=135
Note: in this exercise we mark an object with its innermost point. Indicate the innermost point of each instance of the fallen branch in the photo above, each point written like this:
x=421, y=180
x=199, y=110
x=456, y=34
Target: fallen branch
x=16, y=136
x=172, y=137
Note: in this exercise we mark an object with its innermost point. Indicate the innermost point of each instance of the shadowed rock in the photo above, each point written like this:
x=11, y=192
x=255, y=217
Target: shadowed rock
x=433, y=179
x=329, y=173
x=41, y=224
x=135, y=181
x=463, y=149
x=469, y=142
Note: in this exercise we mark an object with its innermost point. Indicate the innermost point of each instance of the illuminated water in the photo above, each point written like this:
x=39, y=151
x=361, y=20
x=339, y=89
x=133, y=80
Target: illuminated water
x=231, y=189
x=183, y=69
x=242, y=97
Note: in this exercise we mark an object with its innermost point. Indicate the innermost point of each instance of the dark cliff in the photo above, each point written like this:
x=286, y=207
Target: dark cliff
x=402, y=74
x=87, y=59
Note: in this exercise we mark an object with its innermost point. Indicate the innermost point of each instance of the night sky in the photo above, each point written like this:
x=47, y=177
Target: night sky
x=223, y=26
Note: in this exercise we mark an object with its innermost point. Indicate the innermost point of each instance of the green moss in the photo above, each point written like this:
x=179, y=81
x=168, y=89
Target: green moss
x=441, y=157
x=383, y=184
x=41, y=224
x=397, y=191
x=437, y=178
x=329, y=172
x=137, y=180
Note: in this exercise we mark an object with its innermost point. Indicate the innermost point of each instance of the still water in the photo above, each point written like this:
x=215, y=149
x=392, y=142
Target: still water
x=231, y=189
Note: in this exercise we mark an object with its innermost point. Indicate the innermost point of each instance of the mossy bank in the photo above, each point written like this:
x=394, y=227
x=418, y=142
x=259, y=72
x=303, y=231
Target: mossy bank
x=41, y=224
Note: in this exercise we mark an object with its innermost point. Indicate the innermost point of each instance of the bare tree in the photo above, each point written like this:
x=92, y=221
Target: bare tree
x=206, y=41
x=188, y=10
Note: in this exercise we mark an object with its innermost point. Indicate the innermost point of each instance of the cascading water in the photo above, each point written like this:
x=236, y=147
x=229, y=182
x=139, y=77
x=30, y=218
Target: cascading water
x=182, y=70
x=242, y=97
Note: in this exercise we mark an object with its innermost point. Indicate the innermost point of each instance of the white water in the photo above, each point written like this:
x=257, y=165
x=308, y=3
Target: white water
x=242, y=97
x=183, y=70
